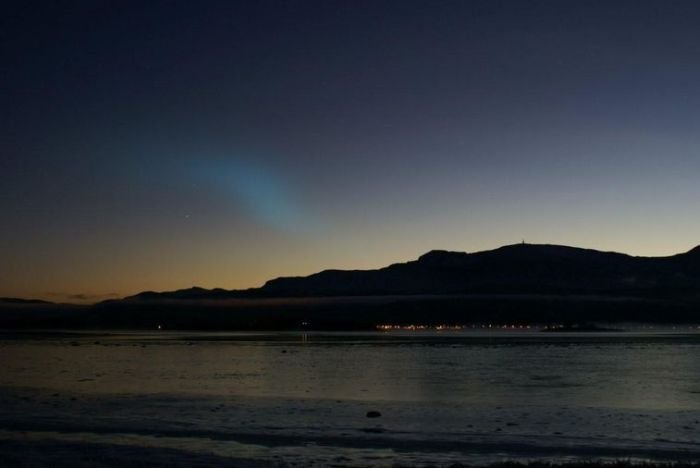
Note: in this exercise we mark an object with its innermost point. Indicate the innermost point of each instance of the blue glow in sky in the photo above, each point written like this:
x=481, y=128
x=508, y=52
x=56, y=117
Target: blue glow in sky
x=265, y=195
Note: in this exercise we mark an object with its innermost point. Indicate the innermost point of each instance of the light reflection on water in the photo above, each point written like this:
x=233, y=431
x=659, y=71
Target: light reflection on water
x=444, y=397
x=635, y=370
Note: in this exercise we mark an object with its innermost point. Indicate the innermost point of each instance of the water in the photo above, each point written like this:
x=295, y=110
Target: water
x=473, y=397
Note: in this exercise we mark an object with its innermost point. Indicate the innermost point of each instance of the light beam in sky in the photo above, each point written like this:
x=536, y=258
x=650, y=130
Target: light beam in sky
x=265, y=194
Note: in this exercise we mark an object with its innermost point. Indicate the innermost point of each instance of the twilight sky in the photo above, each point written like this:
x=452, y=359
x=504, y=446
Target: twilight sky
x=159, y=145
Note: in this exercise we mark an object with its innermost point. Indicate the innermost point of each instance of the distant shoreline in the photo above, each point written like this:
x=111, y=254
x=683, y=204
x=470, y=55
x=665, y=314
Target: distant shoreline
x=353, y=312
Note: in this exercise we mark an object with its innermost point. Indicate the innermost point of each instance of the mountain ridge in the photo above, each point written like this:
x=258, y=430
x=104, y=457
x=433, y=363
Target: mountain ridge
x=515, y=269
x=534, y=266
x=518, y=283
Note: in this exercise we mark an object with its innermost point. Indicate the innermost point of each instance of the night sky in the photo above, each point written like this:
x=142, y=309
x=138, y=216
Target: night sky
x=160, y=145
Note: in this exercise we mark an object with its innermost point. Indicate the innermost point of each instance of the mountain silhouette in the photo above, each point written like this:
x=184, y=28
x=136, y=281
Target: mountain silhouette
x=521, y=282
x=20, y=301
x=512, y=269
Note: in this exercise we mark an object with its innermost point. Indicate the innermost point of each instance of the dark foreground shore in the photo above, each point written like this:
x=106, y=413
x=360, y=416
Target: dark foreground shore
x=46, y=453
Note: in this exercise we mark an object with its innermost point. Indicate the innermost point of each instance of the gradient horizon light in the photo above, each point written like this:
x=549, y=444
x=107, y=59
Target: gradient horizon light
x=169, y=144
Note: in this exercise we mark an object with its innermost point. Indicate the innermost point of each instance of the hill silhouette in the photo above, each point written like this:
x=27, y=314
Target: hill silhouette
x=20, y=301
x=520, y=268
x=512, y=269
x=520, y=282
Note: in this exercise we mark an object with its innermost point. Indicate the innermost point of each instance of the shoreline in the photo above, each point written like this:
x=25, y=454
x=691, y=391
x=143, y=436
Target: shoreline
x=21, y=452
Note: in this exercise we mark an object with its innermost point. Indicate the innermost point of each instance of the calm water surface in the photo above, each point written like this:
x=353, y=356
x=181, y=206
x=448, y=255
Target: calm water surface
x=302, y=398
